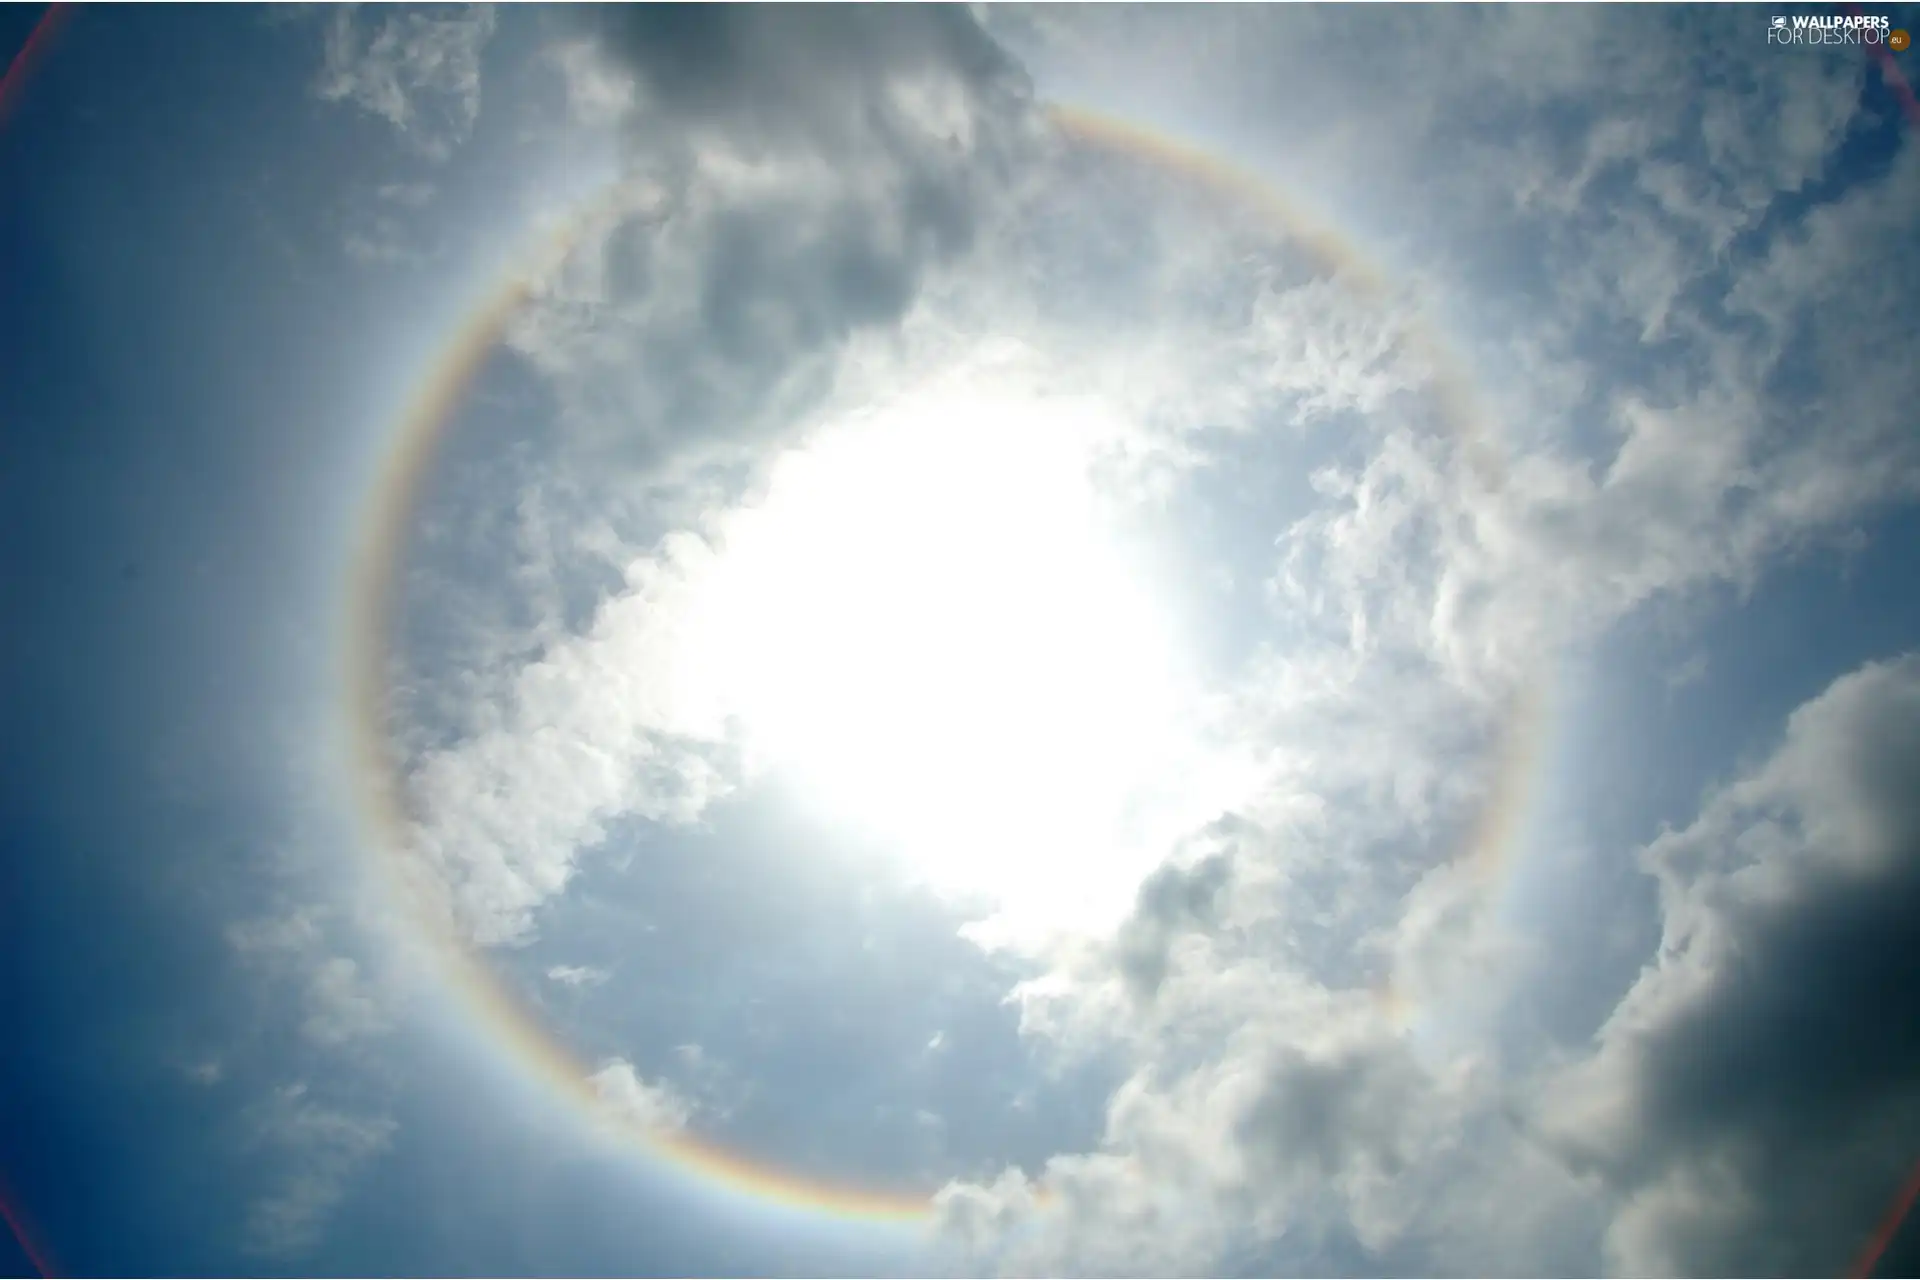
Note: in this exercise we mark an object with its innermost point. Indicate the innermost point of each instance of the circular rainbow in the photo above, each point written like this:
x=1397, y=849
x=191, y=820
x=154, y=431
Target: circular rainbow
x=423, y=424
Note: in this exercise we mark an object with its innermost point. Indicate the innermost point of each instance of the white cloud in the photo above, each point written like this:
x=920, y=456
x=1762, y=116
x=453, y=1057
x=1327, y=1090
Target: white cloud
x=418, y=70
x=592, y=734
x=328, y=1147
x=390, y=226
x=599, y=93
x=343, y=1008
x=339, y=1005
x=1691, y=671
x=204, y=1071
x=572, y=975
x=317, y=1146
x=654, y=1107
x=601, y=727
x=292, y=933
x=408, y=195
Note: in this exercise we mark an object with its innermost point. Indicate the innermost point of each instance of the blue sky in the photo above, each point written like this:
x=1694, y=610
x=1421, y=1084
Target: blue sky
x=1312, y=669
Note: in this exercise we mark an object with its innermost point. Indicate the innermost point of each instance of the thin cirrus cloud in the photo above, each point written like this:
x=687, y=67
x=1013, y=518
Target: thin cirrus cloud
x=417, y=70
x=577, y=975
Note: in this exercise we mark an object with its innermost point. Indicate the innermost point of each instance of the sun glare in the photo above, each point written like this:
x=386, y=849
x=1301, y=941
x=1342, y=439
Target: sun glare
x=926, y=624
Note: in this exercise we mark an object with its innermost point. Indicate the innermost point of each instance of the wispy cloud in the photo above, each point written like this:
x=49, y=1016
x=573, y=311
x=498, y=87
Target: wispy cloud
x=339, y=1004
x=324, y=1148
x=572, y=975
x=419, y=70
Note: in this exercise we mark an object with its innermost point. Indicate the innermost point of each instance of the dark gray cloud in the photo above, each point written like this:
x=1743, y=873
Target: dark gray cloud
x=1323, y=1113
x=812, y=74
x=1173, y=900
x=795, y=174
x=1756, y=1099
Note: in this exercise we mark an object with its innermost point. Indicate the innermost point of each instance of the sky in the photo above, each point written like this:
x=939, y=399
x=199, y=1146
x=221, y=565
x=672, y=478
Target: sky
x=959, y=641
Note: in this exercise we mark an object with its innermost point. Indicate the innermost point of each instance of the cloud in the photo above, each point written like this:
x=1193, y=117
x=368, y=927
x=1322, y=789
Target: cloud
x=1270, y=1116
x=832, y=77
x=203, y=1069
x=418, y=70
x=569, y=975
x=331, y=1016
x=598, y=729
x=793, y=194
x=339, y=1005
x=792, y=179
x=1174, y=899
x=328, y=1147
x=593, y=732
x=343, y=1008
x=796, y=192
x=1420, y=595
x=383, y=230
x=631, y=1101
x=1700, y=378
x=1688, y=672
x=1753, y=1101
x=408, y=195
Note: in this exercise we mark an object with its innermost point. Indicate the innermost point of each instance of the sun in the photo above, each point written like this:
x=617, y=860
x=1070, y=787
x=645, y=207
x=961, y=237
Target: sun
x=928, y=624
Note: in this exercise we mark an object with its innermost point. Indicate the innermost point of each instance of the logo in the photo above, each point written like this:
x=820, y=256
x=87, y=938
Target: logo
x=1802, y=28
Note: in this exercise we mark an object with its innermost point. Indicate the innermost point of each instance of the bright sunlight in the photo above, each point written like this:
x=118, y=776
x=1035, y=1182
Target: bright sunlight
x=926, y=624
